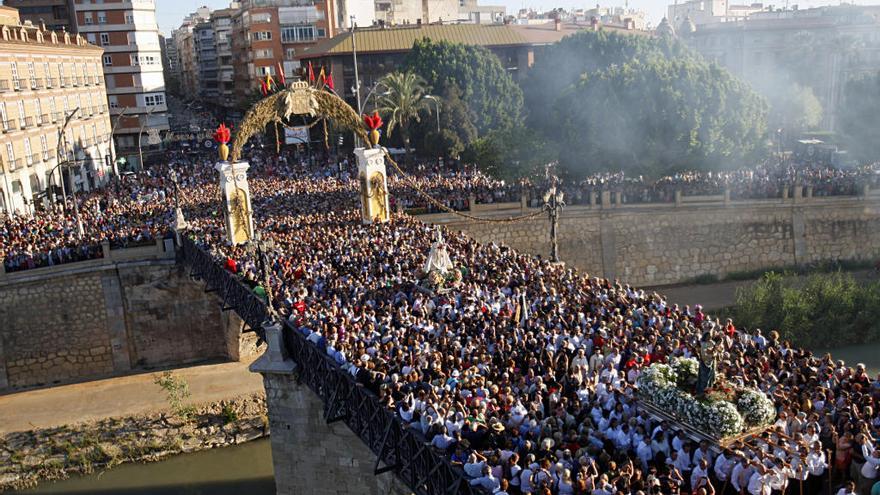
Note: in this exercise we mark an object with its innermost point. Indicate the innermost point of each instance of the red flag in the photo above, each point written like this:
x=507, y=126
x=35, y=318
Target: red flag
x=263, y=88
x=322, y=77
x=311, y=73
x=281, y=74
x=330, y=81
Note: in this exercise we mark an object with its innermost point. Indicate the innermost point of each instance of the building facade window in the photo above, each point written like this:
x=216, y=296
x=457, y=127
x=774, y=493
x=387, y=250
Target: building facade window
x=15, y=82
x=102, y=18
x=44, y=146
x=105, y=39
x=129, y=18
x=261, y=36
x=10, y=153
x=108, y=60
x=28, y=155
x=154, y=99
x=297, y=34
x=21, y=113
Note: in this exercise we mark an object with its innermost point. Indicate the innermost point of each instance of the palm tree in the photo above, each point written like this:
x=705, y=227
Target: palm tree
x=401, y=101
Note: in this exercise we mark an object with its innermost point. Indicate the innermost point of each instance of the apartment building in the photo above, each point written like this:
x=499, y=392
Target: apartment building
x=269, y=33
x=221, y=21
x=132, y=62
x=46, y=76
x=206, y=61
x=56, y=15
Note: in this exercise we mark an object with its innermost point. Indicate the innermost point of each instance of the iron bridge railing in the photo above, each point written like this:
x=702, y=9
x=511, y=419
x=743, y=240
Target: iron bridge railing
x=398, y=449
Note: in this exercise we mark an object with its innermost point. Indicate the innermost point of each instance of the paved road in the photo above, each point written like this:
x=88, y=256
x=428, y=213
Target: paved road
x=122, y=396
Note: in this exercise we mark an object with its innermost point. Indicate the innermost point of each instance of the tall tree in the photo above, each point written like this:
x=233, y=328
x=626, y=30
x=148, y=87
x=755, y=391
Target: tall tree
x=492, y=97
x=402, y=101
x=658, y=116
x=457, y=131
x=563, y=64
x=857, y=117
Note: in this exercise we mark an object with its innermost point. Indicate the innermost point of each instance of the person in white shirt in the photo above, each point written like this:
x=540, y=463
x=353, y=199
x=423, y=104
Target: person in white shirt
x=848, y=489
x=759, y=483
x=487, y=481
x=741, y=473
x=700, y=472
x=816, y=466
x=871, y=469
x=724, y=464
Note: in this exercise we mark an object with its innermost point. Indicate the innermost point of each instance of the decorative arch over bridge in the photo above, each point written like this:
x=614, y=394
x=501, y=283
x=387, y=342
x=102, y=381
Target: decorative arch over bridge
x=297, y=99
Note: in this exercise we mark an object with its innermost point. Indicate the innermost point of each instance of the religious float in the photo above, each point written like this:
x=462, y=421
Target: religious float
x=688, y=392
x=439, y=275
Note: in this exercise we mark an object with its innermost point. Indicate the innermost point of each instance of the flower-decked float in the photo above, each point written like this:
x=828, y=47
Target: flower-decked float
x=723, y=413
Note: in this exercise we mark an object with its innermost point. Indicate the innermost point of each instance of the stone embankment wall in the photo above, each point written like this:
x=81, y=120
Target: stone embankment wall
x=658, y=244
x=29, y=457
x=104, y=317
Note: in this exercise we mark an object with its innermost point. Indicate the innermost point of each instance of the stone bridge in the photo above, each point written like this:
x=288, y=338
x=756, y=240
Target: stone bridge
x=134, y=309
x=329, y=434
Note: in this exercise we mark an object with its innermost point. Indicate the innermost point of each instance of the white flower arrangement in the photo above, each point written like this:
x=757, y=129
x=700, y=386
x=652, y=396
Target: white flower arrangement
x=654, y=379
x=686, y=371
x=757, y=409
x=659, y=384
x=723, y=420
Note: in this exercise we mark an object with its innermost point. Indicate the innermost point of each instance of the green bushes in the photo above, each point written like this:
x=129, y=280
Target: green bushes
x=823, y=310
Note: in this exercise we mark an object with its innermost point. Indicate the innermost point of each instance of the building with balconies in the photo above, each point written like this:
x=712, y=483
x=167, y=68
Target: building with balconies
x=47, y=77
x=221, y=20
x=132, y=62
x=56, y=15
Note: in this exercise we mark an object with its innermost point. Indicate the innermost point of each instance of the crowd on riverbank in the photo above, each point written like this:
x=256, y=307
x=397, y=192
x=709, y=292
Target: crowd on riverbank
x=523, y=374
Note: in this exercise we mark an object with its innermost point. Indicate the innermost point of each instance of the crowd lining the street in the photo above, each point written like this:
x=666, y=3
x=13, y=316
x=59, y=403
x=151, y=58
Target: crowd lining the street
x=523, y=375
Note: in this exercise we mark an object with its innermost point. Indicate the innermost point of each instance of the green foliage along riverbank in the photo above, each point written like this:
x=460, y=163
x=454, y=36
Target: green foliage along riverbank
x=823, y=310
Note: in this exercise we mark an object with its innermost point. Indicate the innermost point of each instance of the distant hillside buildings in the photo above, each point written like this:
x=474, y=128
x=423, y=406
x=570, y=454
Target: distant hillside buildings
x=820, y=47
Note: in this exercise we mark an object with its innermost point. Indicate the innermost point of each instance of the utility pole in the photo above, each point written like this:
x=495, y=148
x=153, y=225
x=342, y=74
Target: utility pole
x=357, y=81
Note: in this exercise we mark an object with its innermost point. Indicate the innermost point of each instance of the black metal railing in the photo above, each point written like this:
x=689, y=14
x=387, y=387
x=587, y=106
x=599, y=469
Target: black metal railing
x=398, y=449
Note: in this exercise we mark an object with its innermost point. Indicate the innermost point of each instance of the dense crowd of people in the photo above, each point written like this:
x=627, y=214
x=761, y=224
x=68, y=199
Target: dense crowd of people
x=524, y=373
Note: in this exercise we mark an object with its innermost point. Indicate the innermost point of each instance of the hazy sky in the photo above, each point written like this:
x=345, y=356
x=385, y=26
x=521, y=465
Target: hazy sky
x=170, y=13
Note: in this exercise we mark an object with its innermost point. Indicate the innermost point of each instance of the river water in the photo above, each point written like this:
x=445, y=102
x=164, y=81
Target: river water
x=247, y=469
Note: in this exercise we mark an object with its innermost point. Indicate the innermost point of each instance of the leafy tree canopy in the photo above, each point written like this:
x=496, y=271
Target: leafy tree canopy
x=493, y=99
x=644, y=105
x=511, y=153
x=562, y=65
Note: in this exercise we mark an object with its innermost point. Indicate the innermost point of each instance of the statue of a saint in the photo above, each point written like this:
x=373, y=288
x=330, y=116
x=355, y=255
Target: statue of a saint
x=438, y=259
x=707, y=354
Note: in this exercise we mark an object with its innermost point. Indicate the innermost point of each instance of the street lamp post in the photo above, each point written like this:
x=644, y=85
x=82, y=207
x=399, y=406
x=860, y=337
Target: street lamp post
x=261, y=249
x=179, y=221
x=553, y=204
x=436, y=102
x=113, y=143
x=140, y=135
x=61, y=150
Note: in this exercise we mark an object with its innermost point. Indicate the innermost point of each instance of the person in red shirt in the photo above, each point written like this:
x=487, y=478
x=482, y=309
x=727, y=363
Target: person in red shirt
x=231, y=265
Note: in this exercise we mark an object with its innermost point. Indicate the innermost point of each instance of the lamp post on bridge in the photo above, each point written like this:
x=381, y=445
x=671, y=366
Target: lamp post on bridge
x=553, y=204
x=261, y=248
x=179, y=221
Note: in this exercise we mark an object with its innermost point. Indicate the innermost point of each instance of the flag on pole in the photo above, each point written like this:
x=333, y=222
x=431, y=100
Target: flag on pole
x=329, y=82
x=311, y=73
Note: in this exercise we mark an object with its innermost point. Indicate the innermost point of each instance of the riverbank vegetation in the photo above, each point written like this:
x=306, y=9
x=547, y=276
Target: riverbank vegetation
x=820, y=310
x=29, y=457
